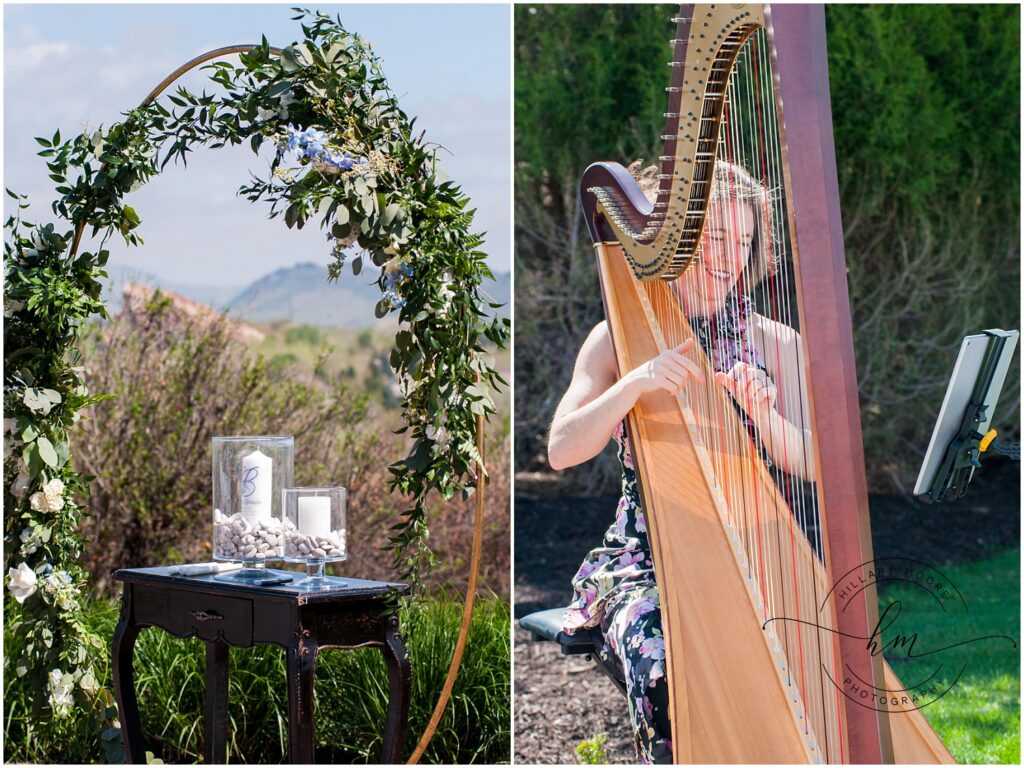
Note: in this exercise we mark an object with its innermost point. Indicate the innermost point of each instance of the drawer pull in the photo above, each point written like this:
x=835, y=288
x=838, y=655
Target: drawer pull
x=204, y=616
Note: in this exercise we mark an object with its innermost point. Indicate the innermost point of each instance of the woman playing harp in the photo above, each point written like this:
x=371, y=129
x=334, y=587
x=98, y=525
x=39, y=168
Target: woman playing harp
x=755, y=361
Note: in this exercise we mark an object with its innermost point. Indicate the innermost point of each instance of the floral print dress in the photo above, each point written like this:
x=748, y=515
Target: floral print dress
x=615, y=587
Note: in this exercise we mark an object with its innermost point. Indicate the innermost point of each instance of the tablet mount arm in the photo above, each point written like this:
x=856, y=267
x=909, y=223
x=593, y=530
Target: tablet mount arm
x=963, y=454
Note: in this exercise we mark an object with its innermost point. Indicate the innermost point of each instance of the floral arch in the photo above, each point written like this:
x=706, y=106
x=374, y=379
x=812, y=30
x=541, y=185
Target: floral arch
x=347, y=158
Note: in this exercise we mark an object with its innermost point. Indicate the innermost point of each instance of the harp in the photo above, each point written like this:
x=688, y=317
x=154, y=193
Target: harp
x=750, y=528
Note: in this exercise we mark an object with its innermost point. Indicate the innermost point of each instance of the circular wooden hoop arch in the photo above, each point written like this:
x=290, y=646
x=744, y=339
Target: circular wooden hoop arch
x=478, y=522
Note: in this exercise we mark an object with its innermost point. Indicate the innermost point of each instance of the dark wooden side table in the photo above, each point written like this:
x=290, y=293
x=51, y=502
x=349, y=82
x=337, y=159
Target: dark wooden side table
x=223, y=614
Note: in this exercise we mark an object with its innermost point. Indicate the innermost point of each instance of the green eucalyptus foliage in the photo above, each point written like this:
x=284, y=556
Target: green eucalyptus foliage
x=363, y=175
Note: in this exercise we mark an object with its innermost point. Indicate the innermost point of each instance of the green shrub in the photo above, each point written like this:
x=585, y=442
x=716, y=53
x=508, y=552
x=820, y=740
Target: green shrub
x=31, y=738
x=591, y=751
x=365, y=338
x=283, y=360
x=351, y=695
x=304, y=334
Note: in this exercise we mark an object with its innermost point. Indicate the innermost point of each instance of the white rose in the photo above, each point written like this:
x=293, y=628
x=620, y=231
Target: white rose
x=88, y=682
x=41, y=400
x=54, y=493
x=39, y=502
x=21, y=581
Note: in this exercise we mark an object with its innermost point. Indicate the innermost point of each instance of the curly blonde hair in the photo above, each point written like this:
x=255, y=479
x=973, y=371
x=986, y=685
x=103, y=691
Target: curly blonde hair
x=731, y=182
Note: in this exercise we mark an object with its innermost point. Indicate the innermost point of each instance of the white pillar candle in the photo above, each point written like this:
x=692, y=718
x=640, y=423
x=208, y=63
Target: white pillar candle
x=315, y=515
x=257, y=477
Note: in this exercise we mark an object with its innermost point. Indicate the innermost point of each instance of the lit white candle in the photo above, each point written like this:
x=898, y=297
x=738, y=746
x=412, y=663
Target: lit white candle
x=257, y=476
x=315, y=515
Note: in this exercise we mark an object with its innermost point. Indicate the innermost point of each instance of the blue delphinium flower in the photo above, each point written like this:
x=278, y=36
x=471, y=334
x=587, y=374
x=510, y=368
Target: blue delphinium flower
x=312, y=144
x=338, y=252
x=393, y=279
x=341, y=161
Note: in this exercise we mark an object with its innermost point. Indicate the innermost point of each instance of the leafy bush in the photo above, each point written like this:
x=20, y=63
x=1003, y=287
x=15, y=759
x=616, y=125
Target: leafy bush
x=304, y=334
x=351, y=695
x=591, y=751
x=929, y=181
x=30, y=738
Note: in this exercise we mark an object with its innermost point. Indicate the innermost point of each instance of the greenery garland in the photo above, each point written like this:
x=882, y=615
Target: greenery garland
x=346, y=156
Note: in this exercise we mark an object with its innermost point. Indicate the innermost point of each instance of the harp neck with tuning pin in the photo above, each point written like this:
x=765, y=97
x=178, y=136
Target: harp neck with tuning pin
x=756, y=505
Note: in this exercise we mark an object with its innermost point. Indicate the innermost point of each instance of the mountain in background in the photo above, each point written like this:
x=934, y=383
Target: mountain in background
x=299, y=294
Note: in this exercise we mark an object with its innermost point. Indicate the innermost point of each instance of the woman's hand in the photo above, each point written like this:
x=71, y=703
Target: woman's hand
x=670, y=371
x=751, y=387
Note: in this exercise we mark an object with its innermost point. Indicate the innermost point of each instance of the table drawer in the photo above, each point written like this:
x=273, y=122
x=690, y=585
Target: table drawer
x=208, y=617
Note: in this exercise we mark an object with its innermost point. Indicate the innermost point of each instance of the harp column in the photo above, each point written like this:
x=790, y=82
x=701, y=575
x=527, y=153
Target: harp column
x=799, y=33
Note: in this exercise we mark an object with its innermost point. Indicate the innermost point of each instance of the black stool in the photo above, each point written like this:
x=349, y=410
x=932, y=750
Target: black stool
x=547, y=625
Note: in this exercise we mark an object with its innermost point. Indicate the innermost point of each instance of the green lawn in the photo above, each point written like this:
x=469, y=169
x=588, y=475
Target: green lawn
x=979, y=719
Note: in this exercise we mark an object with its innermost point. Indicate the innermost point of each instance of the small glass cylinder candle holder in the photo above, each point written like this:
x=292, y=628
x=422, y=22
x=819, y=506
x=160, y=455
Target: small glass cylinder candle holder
x=249, y=473
x=314, y=525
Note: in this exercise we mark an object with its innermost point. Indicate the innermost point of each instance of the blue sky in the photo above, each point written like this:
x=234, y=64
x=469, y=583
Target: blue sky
x=77, y=66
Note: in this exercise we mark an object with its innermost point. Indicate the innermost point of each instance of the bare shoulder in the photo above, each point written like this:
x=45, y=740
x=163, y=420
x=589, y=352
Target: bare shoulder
x=597, y=356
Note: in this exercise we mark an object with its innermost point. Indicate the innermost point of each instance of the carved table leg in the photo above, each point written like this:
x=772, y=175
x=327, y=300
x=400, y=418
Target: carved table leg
x=216, y=708
x=400, y=687
x=301, y=667
x=124, y=683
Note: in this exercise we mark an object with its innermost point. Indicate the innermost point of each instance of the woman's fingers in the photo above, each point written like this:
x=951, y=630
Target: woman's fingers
x=748, y=385
x=693, y=369
x=678, y=355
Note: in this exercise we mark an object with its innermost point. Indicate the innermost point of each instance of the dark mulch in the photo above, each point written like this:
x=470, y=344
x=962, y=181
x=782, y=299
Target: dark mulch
x=560, y=700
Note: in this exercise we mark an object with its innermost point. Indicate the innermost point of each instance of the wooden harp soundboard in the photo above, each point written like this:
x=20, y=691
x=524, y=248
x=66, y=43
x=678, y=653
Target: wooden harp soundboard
x=759, y=659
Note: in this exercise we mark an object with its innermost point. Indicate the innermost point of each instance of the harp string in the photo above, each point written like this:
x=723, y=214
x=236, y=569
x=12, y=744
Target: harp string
x=806, y=510
x=768, y=288
x=780, y=310
x=777, y=531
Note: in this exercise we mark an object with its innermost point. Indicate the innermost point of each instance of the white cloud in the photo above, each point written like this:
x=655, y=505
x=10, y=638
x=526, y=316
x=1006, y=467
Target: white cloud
x=25, y=59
